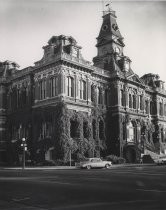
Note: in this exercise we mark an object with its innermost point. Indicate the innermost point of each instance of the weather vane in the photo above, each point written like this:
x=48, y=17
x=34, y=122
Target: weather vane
x=107, y=4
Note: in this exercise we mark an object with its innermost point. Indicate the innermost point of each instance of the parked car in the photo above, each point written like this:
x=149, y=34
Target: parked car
x=89, y=163
x=160, y=160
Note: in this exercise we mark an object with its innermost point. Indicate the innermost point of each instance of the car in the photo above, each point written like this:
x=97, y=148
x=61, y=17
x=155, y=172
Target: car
x=161, y=160
x=89, y=163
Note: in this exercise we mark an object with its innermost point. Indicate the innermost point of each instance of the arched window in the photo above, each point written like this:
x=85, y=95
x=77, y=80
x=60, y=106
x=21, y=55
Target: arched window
x=130, y=101
x=70, y=86
x=131, y=132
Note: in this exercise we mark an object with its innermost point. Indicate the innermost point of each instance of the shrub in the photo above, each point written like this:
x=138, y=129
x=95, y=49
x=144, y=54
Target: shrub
x=115, y=159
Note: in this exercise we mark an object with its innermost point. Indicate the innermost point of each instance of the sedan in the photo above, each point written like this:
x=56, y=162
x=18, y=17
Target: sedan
x=94, y=163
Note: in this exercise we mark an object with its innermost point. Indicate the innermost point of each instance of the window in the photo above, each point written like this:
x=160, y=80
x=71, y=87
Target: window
x=24, y=96
x=165, y=109
x=54, y=86
x=160, y=109
x=151, y=108
x=130, y=101
x=134, y=101
x=92, y=93
x=122, y=98
x=70, y=86
x=141, y=102
x=131, y=133
x=106, y=97
x=162, y=135
x=18, y=94
x=82, y=89
x=42, y=89
x=99, y=96
x=147, y=107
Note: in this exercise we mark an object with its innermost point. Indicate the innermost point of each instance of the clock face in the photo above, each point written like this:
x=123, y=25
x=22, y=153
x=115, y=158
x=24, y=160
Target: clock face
x=105, y=27
x=115, y=27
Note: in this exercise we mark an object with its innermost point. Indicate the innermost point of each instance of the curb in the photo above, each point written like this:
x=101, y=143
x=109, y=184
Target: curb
x=73, y=167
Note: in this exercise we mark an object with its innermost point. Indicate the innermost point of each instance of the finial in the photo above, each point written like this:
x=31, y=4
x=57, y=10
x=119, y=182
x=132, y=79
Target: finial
x=108, y=9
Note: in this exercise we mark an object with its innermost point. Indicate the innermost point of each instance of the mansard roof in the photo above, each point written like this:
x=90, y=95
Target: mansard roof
x=54, y=39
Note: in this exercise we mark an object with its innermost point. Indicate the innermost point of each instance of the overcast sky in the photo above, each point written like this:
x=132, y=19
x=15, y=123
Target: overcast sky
x=26, y=26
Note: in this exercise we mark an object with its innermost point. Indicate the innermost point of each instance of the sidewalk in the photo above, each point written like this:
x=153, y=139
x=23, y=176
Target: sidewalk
x=73, y=167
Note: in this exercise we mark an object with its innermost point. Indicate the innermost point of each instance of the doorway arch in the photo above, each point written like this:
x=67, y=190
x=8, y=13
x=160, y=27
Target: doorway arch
x=130, y=154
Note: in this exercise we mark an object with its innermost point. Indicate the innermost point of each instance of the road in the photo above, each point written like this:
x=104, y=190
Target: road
x=136, y=188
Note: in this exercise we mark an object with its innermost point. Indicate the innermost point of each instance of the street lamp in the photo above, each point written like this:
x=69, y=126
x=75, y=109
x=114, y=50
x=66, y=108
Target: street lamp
x=24, y=146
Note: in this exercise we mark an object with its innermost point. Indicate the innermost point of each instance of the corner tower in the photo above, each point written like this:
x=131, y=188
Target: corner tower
x=110, y=45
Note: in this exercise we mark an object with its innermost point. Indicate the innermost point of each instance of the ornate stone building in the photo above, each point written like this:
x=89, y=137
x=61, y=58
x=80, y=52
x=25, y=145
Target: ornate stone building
x=65, y=105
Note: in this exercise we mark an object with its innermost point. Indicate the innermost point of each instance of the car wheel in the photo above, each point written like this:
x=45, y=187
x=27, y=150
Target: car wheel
x=107, y=166
x=88, y=167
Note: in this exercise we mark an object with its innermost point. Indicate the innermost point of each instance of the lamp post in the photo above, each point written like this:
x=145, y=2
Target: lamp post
x=24, y=147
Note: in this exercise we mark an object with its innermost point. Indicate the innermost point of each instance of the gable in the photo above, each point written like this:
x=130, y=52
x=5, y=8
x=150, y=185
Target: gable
x=134, y=78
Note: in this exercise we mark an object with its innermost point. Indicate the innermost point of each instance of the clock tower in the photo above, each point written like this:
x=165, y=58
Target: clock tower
x=110, y=44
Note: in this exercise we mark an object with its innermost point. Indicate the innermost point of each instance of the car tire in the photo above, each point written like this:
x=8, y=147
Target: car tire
x=107, y=166
x=88, y=167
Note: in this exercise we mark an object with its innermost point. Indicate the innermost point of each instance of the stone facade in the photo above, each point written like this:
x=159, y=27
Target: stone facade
x=65, y=105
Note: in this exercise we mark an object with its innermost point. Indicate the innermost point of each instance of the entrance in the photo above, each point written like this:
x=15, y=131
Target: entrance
x=130, y=155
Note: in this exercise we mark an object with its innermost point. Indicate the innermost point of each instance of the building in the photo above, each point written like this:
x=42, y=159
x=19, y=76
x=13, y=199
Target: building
x=64, y=105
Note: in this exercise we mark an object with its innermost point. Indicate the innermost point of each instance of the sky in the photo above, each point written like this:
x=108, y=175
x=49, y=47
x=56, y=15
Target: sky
x=27, y=25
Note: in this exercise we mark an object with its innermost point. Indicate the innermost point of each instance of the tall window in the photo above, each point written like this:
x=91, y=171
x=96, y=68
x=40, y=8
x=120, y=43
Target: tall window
x=147, y=107
x=18, y=97
x=122, y=98
x=42, y=89
x=130, y=101
x=70, y=86
x=99, y=96
x=134, y=101
x=106, y=97
x=82, y=89
x=131, y=133
x=24, y=96
x=141, y=102
x=160, y=108
x=165, y=109
x=151, y=108
x=54, y=86
x=93, y=93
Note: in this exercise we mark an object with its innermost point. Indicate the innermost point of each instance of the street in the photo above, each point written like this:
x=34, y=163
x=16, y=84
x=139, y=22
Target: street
x=121, y=188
